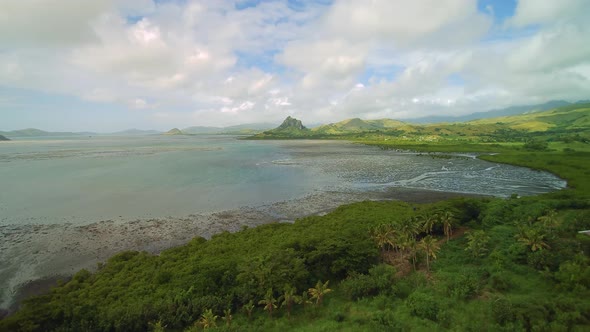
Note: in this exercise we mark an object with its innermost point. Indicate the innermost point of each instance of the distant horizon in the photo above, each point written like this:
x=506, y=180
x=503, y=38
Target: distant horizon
x=112, y=65
x=309, y=125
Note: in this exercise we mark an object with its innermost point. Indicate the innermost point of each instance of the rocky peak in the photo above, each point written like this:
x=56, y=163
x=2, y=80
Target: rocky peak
x=291, y=123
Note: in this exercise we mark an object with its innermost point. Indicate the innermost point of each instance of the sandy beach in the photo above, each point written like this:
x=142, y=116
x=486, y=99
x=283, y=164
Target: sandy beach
x=35, y=256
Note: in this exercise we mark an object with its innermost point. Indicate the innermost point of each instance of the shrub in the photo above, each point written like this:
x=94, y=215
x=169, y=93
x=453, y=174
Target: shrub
x=379, y=280
x=574, y=275
x=462, y=285
x=423, y=305
x=535, y=145
x=502, y=310
x=500, y=282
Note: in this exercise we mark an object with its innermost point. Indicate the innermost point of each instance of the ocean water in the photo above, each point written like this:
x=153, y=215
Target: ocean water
x=90, y=179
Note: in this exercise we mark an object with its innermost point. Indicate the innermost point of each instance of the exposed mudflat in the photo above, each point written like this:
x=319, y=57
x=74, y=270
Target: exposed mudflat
x=36, y=256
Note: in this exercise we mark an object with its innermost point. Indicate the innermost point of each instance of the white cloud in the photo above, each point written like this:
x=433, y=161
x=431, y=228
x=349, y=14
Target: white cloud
x=138, y=103
x=48, y=23
x=208, y=63
x=325, y=62
x=408, y=22
x=552, y=49
x=247, y=105
x=530, y=12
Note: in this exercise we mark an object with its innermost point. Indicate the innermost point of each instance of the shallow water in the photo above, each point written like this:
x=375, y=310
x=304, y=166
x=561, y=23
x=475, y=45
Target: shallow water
x=85, y=180
x=67, y=204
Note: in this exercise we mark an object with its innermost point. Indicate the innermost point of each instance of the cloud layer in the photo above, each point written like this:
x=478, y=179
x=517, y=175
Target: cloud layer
x=181, y=63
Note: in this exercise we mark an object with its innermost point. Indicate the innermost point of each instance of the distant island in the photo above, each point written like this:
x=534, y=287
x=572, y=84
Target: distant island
x=244, y=129
x=34, y=132
x=174, y=132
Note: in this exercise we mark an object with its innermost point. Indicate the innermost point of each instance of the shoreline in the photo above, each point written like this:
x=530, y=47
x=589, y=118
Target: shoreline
x=38, y=256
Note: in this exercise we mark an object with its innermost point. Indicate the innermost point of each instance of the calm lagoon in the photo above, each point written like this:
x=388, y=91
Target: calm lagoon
x=85, y=180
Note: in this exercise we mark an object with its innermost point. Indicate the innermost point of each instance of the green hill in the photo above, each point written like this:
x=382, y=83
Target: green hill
x=551, y=124
x=357, y=125
x=512, y=110
x=34, y=132
x=563, y=118
x=2, y=138
x=31, y=132
x=174, y=132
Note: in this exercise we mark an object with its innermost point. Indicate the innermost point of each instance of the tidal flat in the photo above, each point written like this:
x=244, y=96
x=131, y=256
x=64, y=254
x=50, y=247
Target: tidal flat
x=70, y=203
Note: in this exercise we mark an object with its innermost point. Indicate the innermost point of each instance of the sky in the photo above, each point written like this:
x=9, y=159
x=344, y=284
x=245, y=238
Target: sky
x=109, y=65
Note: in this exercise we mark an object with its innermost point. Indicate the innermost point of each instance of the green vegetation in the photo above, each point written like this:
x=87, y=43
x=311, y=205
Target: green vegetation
x=521, y=266
x=515, y=264
x=563, y=124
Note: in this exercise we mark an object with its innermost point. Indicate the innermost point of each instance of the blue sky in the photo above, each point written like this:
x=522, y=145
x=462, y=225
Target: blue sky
x=113, y=65
x=501, y=9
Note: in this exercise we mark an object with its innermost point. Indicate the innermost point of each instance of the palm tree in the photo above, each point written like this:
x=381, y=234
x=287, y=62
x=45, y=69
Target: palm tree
x=383, y=236
x=533, y=238
x=391, y=236
x=549, y=220
x=430, y=247
x=304, y=299
x=405, y=242
x=208, y=319
x=477, y=243
x=289, y=298
x=414, y=248
x=248, y=308
x=227, y=316
x=157, y=326
x=446, y=219
x=269, y=302
x=428, y=221
x=409, y=227
x=319, y=291
x=380, y=237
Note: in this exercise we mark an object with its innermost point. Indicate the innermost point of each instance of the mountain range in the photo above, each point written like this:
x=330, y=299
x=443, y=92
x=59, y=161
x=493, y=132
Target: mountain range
x=33, y=132
x=348, y=126
x=572, y=118
x=245, y=129
x=512, y=110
